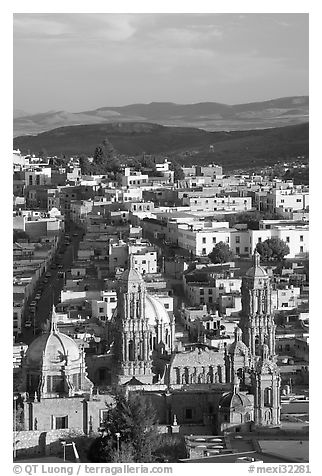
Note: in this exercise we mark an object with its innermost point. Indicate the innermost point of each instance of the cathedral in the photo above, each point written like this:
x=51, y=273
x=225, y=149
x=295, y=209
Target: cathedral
x=228, y=387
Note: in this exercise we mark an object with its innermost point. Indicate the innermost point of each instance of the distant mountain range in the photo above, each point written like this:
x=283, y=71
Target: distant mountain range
x=210, y=116
x=236, y=149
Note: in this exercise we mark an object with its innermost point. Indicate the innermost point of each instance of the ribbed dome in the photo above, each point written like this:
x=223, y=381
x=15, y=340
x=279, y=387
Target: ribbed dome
x=155, y=311
x=234, y=401
x=256, y=271
x=238, y=346
x=52, y=347
x=131, y=280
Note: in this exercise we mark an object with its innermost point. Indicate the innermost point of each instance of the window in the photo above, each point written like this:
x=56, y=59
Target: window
x=237, y=250
x=246, y=249
x=204, y=251
x=188, y=413
x=60, y=423
x=287, y=239
x=101, y=309
x=282, y=201
x=204, y=240
x=301, y=237
x=143, y=261
x=166, y=305
x=210, y=291
x=210, y=299
x=214, y=239
x=202, y=292
x=259, y=240
x=237, y=239
x=103, y=416
x=301, y=249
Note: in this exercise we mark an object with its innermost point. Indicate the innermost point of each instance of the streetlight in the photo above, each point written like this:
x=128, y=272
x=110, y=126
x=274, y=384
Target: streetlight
x=118, y=442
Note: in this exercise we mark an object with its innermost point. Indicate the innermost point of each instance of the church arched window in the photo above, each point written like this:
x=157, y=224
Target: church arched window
x=131, y=350
x=257, y=345
x=268, y=397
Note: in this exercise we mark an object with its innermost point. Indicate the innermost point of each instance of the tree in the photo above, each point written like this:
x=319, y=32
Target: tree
x=85, y=165
x=221, y=253
x=134, y=418
x=272, y=249
x=178, y=172
x=105, y=158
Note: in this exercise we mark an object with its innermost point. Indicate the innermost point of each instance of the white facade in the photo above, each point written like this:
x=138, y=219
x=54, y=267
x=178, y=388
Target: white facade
x=296, y=238
x=201, y=242
x=200, y=293
x=133, y=178
x=286, y=298
x=218, y=203
x=103, y=308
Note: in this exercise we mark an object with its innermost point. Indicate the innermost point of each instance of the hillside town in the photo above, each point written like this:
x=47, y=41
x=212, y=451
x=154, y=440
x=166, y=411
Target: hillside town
x=187, y=285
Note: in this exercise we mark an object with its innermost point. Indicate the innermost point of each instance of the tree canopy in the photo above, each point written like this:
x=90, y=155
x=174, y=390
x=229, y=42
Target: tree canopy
x=134, y=418
x=221, y=253
x=272, y=249
x=178, y=172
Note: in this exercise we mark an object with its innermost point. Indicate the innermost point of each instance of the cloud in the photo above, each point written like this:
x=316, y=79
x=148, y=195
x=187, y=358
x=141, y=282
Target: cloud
x=68, y=27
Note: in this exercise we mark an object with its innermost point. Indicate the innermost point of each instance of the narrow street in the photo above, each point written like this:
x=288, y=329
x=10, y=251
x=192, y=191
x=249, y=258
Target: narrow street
x=51, y=291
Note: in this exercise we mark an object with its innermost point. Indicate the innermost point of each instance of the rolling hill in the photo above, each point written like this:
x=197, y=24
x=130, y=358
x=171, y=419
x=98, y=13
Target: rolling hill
x=210, y=116
x=189, y=145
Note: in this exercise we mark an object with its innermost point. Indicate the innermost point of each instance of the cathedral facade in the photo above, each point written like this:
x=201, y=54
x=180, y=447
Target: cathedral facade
x=143, y=342
x=227, y=387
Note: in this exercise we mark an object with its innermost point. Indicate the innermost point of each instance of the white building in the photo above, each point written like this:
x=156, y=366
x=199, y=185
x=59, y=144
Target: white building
x=133, y=178
x=218, y=203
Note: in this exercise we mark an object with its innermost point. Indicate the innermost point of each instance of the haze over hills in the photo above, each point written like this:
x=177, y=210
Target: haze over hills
x=210, y=116
x=231, y=149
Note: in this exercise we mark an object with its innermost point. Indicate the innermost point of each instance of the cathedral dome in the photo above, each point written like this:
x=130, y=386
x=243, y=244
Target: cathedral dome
x=155, y=311
x=234, y=401
x=256, y=271
x=238, y=346
x=53, y=347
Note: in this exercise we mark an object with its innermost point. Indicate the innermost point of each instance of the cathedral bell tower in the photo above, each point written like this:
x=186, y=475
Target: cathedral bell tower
x=258, y=333
x=132, y=332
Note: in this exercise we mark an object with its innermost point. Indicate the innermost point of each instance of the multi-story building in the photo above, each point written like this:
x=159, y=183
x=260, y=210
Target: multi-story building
x=133, y=178
x=218, y=203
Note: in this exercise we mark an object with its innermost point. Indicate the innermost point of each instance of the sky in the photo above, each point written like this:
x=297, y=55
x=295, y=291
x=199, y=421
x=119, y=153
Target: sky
x=82, y=61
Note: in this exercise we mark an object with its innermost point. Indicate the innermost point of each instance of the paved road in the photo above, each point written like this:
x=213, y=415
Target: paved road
x=51, y=291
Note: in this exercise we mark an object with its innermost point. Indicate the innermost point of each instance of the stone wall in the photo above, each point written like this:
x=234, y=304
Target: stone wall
x=41, y=443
